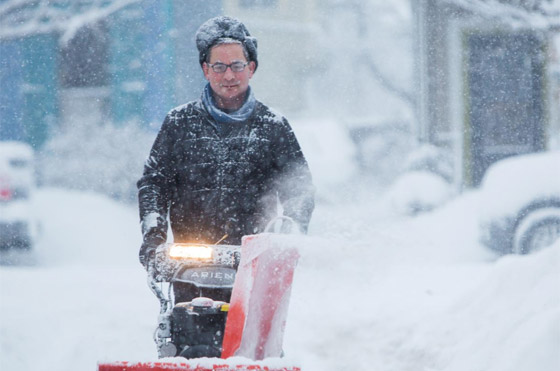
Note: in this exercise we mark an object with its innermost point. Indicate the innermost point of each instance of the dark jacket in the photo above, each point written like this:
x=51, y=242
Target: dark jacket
x=215, y=179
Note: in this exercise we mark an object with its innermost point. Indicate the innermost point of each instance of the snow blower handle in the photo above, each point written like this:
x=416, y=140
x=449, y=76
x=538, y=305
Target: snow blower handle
x=153, y=285
x=287, y=225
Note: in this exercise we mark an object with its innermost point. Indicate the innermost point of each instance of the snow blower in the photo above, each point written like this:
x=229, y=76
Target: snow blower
x=208, y=332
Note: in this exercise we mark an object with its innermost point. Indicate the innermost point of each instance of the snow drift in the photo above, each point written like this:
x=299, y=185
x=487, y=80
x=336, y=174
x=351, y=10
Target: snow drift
x=404, y=294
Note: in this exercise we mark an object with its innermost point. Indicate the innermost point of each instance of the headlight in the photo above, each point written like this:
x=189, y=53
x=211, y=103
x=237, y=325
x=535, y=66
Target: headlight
x=193, y=252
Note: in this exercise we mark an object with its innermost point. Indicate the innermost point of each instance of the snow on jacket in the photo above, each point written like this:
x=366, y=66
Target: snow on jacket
x=223, y=179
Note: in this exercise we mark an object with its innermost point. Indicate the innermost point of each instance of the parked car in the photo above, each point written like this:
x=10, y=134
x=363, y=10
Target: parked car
x=520, y=203
x=18, y=227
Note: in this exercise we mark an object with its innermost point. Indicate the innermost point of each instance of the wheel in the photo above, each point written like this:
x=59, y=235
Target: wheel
x=537, y=230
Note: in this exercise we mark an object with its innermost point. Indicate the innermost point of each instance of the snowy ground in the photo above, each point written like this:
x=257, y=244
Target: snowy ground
x=373, y=291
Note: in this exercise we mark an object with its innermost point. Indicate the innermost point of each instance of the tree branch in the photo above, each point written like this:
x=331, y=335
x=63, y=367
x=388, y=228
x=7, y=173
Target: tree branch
x=21, y=18
x=386, y=83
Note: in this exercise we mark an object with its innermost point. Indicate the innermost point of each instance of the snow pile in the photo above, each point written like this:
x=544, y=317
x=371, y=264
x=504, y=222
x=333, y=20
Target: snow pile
x=511, y=320
x=421, y=294
x=430, y=158
x=425, y=182
x=418, y=191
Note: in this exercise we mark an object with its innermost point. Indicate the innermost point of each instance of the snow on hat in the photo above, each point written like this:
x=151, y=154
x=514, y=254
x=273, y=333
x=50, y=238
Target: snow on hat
x=224, y=27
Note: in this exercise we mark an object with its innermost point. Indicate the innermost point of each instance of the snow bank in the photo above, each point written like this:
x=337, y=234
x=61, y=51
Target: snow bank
x=510, y=321
x=418, y=191
x=421, y=294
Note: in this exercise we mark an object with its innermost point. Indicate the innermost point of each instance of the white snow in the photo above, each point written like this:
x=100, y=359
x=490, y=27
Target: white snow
x=372, y=292
x=417, y=191
x=149, y=222
x=34, y=18
x=514, y=182
x=328, y=149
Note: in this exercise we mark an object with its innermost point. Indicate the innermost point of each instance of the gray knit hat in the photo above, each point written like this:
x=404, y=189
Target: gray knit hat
x=224, y=27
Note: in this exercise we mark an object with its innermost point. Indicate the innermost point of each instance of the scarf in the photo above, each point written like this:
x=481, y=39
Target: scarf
x=221, y=117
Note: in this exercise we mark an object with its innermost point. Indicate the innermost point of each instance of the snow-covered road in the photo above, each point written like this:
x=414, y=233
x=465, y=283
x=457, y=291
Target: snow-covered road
x=372, y=292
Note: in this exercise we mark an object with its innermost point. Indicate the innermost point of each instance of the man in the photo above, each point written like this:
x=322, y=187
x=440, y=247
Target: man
x=220, y=164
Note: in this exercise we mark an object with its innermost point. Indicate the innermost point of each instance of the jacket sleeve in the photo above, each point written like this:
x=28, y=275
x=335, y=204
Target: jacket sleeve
x=154, y=188
x=294, y=183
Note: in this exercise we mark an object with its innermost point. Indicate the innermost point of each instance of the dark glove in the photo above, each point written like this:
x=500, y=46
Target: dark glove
x=147, y=255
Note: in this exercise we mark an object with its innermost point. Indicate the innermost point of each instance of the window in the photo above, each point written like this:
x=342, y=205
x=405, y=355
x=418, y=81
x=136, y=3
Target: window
x=84, y=59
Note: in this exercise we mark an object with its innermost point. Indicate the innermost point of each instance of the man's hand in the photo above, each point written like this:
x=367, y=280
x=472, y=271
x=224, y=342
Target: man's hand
x=147, y=255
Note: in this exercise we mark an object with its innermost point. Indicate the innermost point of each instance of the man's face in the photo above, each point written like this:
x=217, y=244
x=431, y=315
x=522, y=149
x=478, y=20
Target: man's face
x=229, y=87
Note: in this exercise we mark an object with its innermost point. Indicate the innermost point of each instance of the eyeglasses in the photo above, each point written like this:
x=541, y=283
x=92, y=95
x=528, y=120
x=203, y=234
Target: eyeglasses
x=235, y=66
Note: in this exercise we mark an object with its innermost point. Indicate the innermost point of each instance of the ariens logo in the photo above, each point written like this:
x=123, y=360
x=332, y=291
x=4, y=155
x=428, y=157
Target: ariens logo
x=216, y=275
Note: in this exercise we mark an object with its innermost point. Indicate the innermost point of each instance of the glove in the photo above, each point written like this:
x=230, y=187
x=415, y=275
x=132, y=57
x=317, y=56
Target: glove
x=147, y=255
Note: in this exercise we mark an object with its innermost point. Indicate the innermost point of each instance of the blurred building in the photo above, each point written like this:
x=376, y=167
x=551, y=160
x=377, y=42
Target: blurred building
x=78, y=62
x=487, y=80
x=287, y=33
